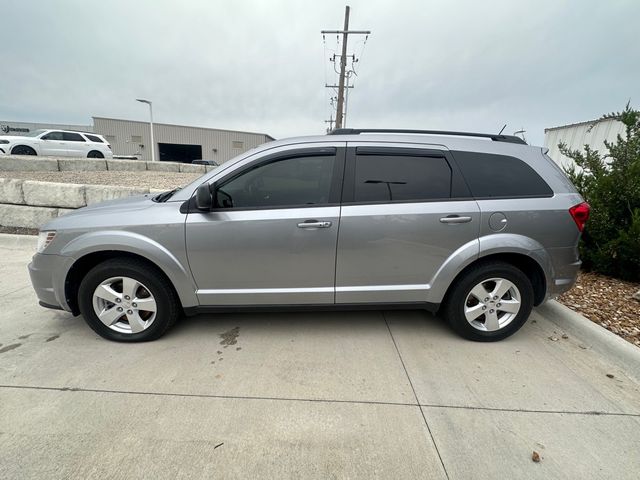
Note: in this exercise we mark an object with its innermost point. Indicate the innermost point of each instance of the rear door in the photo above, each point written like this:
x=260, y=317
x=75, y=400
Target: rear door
x=405, y=211
x=271, y=237
x=76, y=144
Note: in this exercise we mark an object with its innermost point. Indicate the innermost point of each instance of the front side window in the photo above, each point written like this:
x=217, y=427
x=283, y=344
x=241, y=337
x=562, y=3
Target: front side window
x=295, y=182
x=390, y=178
x=72, y=137
x=53, y=136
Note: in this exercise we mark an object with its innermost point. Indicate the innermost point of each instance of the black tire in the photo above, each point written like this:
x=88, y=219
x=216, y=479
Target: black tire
x=458, y=298
x=95, y=154
x=23, y=150
x=153, y=282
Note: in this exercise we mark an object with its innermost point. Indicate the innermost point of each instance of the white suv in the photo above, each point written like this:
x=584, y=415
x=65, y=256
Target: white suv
x=57, y=143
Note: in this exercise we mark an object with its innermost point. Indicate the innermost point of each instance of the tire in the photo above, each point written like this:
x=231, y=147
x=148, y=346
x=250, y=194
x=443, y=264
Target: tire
x=116, y=284
x=95, y=154
x=489, y=319
x=23, y=150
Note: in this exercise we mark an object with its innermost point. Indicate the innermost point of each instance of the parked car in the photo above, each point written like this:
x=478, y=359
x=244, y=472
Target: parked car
x=205, y=162
x=56, y=143
x=479, y=227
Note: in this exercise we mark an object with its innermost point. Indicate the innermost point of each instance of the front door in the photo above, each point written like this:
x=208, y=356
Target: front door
x=54, y=145
x=271, y=236
x=405, y=212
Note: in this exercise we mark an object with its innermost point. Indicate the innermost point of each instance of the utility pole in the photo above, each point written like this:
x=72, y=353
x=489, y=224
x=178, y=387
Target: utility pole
x=330, y=122
x=343, y=63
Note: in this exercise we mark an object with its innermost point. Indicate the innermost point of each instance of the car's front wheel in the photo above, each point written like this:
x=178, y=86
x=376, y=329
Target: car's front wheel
x=127, y=300
x=489, y=302
x=23, y=150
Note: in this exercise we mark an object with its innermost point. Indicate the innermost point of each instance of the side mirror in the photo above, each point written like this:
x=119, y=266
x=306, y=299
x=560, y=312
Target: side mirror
x=204, y=199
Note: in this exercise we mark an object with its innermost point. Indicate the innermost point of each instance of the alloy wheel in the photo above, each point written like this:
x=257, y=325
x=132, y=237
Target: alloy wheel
x=124, y=305
x=492, y=304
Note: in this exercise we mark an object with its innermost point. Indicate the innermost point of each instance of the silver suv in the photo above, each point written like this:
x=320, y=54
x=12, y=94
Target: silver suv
x=481, y=227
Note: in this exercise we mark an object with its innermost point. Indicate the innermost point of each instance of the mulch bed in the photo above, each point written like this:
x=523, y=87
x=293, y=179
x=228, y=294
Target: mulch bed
x=607, y=302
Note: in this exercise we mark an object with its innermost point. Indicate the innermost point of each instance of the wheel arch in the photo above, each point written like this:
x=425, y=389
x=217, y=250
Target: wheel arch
x=523, y=252
x=30, y=147
x=87, y=251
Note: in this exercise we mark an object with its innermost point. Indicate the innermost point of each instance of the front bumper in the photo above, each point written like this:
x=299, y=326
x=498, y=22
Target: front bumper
x=47, y=285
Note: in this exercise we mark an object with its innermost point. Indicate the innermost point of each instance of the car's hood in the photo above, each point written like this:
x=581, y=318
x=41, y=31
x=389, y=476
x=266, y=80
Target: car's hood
x=125, y=210
x=13, y=138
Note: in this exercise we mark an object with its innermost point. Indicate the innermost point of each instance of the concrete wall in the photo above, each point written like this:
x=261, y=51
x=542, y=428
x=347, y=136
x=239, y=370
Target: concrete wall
x=16, y=163
x=29, y=204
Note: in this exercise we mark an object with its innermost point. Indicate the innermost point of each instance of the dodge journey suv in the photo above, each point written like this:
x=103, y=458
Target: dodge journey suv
x=479, y=227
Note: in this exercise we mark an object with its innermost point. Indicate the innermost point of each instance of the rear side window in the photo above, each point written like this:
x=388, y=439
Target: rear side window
x=390, y=178
x=500, y=176
x=72, y=137
x=93, y=138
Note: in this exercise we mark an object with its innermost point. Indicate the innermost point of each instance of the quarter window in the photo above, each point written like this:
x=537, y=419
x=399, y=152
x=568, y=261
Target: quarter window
x=390, y=178
x=72, y=137
x=94, y=138
x=500, y=176
x=298, y=181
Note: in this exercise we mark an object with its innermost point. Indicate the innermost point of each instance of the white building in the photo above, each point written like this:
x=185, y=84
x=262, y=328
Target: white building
x=577, y=135
x=177, y=143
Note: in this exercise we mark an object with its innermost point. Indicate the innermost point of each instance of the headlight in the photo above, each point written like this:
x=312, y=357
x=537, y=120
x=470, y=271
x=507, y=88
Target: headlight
x=4, y=142
x=44, y=239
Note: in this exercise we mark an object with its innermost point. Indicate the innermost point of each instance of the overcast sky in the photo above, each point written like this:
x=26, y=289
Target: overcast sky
x=261, y=65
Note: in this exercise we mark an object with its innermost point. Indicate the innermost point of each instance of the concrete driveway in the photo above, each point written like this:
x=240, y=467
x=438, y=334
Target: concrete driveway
x=309, y=395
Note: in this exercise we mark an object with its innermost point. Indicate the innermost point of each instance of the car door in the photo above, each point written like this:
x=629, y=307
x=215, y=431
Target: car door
x=76, y=144
x=271, y=236
x=405, y=211
x=53, y=144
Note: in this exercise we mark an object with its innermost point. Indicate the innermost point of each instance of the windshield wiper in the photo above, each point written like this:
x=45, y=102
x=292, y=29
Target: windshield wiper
x=164, y=196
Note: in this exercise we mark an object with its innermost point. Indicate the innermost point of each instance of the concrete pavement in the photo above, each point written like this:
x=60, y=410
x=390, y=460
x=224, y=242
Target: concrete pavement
x=308, y=395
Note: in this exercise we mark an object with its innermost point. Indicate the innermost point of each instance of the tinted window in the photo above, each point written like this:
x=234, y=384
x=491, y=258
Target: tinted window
x=53, y=136
x=384, y=178
x=289, y=182
x=93, y=138
x=72, y=137
x=495, y=176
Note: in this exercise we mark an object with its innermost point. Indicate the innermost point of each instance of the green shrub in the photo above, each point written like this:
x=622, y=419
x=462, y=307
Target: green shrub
x=611, y=184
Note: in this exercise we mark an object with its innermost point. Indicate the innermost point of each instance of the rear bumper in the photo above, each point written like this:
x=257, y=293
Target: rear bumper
x=566, y=266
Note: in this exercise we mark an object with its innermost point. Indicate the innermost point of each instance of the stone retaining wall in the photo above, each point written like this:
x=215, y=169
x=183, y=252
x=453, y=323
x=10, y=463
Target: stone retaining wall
x=29, y=204
x=14, y=163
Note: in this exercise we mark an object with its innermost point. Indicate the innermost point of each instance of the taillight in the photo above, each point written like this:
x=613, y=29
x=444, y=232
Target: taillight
x=108, y=146
x=580, y=214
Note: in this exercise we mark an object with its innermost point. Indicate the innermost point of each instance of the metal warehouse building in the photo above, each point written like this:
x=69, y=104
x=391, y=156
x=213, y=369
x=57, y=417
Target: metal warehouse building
x=577, y=135
x=176, y=143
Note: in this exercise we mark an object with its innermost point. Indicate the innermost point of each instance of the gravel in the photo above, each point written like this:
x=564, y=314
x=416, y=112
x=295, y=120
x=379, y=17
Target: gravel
x=607, y=302
x=160, y=180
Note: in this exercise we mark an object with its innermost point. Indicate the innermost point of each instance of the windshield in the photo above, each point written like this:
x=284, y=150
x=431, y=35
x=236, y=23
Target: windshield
x=34, y=133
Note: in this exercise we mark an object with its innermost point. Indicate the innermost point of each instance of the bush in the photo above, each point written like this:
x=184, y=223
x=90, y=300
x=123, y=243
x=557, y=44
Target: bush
x=611, y=184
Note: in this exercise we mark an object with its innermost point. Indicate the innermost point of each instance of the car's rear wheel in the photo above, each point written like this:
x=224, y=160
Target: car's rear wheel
x=489, y=302
x=128, y=301
x=95, y=154
x=23, y=150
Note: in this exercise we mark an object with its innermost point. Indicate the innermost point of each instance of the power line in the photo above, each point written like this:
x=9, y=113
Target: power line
x=344, y=74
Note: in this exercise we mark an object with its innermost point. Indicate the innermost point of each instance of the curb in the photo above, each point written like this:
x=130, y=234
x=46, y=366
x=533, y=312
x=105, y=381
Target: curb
x=13, y=241
x=598, y=338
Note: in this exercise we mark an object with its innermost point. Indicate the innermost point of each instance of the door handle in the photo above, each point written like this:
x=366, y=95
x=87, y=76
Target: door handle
x=314, y=224
x=455, y=219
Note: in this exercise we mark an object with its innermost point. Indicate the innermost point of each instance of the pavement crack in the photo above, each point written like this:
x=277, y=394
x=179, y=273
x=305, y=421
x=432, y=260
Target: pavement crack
x=415, y=395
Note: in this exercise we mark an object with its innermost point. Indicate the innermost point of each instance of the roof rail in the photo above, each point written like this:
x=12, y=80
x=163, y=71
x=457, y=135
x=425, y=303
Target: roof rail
x=494, y=137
